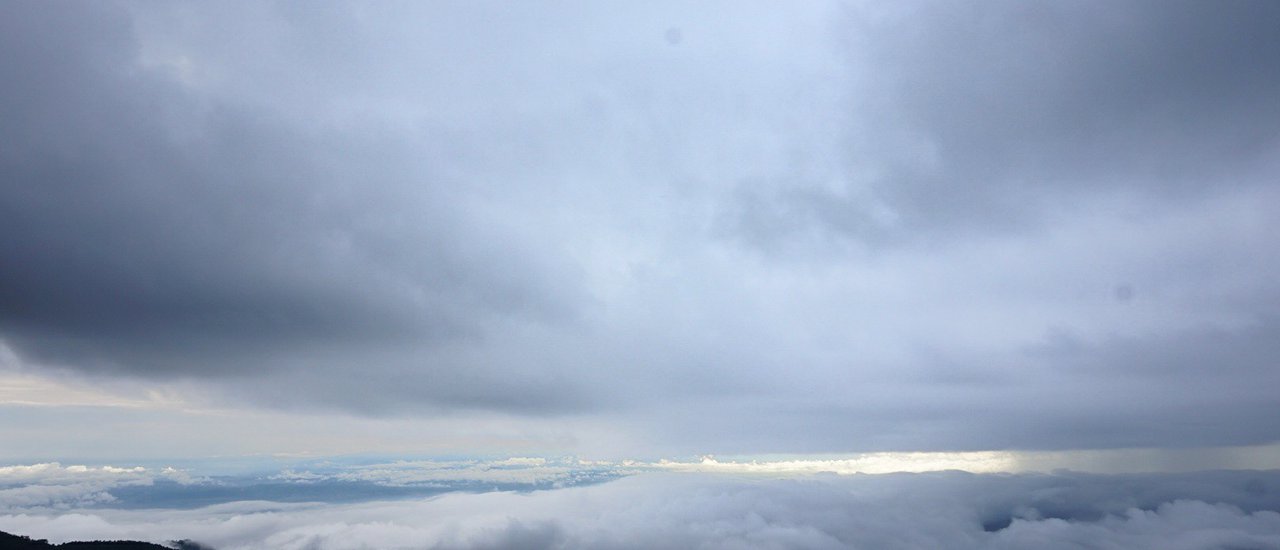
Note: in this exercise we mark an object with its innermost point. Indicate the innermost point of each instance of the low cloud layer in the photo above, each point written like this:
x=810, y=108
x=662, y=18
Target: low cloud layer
x=45, y=488
x=717, y=228
x=52, y=486
x=902, y=511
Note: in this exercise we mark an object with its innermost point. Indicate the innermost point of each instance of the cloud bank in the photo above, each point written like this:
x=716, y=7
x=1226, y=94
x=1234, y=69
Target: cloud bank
x=52, y=486
x=900, y=511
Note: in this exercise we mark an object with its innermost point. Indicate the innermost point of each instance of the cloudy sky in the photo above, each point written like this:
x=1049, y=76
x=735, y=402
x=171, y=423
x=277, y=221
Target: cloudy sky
x=649, y=230
x=590, y=274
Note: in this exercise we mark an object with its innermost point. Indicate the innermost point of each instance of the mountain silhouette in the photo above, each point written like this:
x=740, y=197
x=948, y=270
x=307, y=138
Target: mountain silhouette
x=10, y=541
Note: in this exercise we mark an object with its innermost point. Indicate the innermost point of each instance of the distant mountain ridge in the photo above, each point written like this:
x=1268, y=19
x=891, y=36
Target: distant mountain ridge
x=9, y=541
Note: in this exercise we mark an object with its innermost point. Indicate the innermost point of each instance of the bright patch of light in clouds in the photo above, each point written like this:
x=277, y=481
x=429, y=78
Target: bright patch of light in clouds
x=1261, y=457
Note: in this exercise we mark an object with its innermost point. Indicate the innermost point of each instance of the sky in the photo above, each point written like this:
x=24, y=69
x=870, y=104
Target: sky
x=1020, y=236
x=665, y=229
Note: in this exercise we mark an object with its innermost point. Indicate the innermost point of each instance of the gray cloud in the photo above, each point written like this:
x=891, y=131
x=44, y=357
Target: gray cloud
x=988, y=117
x=154, y=229
x=839, y=228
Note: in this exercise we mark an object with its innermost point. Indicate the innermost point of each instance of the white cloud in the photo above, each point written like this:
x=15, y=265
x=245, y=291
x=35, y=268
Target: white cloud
x=52, y=485
x=904, y=511
x=1178, y=525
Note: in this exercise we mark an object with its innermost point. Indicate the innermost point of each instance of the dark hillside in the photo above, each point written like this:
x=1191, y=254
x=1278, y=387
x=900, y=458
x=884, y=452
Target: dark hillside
x=17, y=542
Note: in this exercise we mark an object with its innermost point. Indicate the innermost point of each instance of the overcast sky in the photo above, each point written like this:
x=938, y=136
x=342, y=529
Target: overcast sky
x=665, y=228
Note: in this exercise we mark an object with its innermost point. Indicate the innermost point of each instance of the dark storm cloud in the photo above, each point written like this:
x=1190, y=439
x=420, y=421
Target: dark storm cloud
x=148, y=228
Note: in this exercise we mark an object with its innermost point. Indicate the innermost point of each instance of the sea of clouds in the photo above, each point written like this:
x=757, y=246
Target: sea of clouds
x=649, y=508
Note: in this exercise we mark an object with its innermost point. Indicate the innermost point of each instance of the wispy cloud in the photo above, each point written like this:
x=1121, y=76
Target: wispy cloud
x=34, y=390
